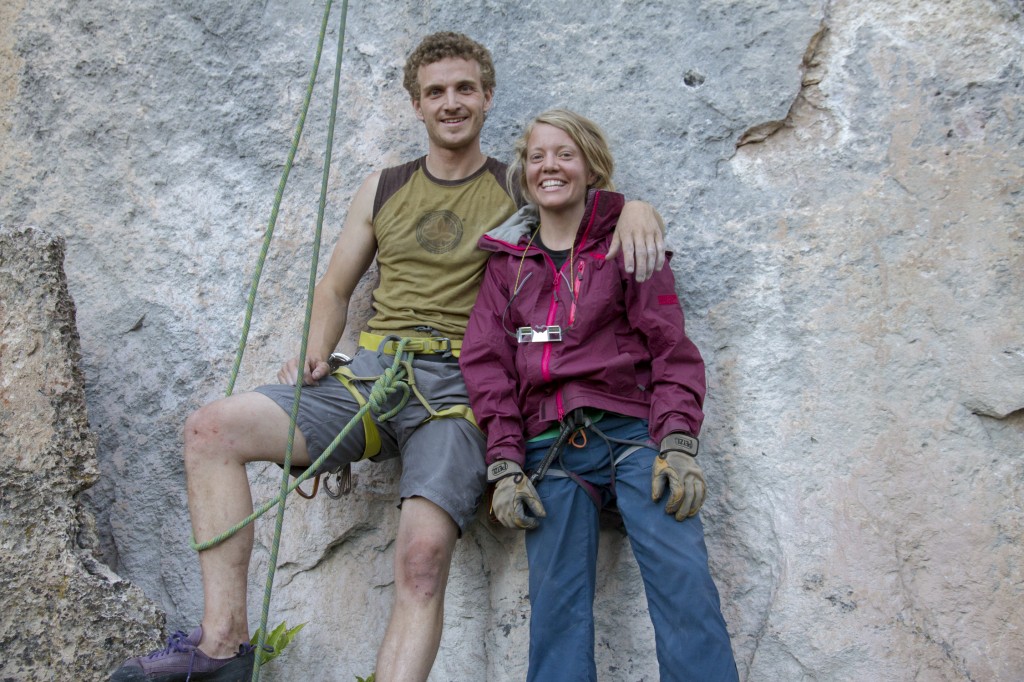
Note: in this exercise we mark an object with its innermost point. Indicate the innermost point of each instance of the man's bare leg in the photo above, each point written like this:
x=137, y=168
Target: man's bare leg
x=423, y=556
x=220, y=439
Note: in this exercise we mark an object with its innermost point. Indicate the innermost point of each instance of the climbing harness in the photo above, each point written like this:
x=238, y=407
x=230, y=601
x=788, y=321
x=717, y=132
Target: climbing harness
x=555, y=451
x=391, y=345
x=575, y=426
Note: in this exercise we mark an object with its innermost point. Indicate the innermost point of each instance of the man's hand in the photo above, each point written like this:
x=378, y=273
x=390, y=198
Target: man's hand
x=513, y=493
x=316, y=369
x=640, y=233
x=686, y=485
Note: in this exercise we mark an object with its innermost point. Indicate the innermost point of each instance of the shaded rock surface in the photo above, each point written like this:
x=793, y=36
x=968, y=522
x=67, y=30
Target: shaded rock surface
x=842, y=184
x=65, y=614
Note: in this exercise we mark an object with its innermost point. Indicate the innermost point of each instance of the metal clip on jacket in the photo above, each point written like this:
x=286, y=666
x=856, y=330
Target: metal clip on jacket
x=540, y=335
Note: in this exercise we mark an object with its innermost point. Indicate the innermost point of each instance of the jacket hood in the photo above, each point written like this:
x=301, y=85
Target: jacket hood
x=599, y=218
x=518, y=225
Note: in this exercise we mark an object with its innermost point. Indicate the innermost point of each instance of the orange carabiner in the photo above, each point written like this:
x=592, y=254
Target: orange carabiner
x=316, y=487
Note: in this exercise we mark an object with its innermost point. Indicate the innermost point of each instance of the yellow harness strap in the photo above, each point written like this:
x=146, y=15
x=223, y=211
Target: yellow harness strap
x=414, y=344
x=370, y=433
x=463, y=411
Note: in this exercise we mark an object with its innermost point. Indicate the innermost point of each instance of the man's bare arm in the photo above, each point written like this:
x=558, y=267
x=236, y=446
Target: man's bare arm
x=640, y=233
x=352, y=255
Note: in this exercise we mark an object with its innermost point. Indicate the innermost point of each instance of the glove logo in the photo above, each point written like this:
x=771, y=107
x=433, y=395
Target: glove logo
x=501, y=469
x=680, y=442
x=684, y=443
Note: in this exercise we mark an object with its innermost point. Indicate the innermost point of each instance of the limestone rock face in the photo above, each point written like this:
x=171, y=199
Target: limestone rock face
x=842, y=186
x=65, y=614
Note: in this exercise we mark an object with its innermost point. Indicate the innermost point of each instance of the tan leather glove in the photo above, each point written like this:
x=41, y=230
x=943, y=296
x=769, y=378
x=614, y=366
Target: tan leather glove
x=513, y=494
x=676, y=466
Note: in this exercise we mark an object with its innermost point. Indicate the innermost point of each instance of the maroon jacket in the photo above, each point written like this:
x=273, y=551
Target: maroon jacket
x=623, y=345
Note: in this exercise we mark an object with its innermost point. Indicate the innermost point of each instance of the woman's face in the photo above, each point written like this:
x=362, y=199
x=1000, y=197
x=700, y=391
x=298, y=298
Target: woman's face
x=557, y=175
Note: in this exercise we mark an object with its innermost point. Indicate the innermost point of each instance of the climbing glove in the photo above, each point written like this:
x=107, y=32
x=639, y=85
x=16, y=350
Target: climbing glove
x=513, y=494
x=677, y=466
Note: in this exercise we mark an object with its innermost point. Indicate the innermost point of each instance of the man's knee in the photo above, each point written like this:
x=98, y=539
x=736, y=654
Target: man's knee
x=422, y=567
x=199, y=427
x=211, y=432
x=204, y=428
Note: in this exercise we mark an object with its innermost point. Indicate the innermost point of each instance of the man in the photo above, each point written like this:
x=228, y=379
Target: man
x=422, y=221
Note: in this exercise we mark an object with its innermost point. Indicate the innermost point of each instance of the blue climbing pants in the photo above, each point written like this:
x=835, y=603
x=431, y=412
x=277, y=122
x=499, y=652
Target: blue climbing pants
x=690, y=633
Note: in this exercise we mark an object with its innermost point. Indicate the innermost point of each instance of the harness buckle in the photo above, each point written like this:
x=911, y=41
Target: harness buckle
x=544, y=334
x=446, y=346
x=338, y=360
x=435, y=336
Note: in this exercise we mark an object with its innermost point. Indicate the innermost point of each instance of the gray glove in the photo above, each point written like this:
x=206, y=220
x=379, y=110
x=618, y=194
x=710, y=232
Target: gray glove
x=513, y=493
x=676, y=466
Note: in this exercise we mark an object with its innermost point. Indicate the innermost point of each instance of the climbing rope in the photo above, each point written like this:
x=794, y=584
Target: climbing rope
x=388, y=384
x=314, y=264
x=395, y=378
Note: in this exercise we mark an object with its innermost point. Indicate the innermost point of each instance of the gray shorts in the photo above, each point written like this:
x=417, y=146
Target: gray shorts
x=442, y=459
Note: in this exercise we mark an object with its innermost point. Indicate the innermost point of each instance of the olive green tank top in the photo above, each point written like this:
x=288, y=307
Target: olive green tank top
x=427, y=231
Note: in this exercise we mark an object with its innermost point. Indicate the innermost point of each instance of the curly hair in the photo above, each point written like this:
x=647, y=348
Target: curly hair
x=444, y=45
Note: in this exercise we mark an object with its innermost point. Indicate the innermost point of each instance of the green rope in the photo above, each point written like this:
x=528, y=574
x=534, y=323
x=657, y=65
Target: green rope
x=278, y=196
x=389, y=384
x=314, y=265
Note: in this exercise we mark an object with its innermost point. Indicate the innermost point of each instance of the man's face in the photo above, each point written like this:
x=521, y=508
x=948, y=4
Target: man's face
x=452, y=102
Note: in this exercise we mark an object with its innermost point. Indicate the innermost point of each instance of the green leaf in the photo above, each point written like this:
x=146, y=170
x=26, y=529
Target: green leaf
x=277, y=640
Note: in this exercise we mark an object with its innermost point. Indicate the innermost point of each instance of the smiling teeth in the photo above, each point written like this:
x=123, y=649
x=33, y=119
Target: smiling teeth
x=551, y=183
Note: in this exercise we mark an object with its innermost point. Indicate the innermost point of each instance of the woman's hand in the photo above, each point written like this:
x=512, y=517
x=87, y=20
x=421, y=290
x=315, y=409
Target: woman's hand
x=686, y=485
x=513, y=494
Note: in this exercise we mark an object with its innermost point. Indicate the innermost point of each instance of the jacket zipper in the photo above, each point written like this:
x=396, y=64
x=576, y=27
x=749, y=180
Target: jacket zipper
x=545, y=358
x=545, y=362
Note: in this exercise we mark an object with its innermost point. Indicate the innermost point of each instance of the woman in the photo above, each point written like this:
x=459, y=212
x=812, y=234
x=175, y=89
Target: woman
x=585, y=378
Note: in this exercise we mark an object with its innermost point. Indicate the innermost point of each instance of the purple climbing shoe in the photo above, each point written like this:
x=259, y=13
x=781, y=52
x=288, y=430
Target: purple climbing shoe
x=182, y=661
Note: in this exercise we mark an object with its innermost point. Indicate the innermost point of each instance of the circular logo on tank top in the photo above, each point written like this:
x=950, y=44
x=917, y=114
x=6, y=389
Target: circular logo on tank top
x=439, y=231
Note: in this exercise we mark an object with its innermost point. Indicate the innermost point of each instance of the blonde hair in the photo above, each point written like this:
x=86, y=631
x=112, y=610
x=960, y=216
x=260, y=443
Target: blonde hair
x=584, y=133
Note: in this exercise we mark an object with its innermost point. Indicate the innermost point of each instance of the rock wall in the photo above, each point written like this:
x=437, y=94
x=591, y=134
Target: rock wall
x=842, y=183
x=65, y=615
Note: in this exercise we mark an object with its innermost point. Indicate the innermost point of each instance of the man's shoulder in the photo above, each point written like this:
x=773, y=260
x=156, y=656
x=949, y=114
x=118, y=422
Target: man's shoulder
x=402, y=170
x=499, y=169
x=396, y=176
x=392, y=179
x=496, y=166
